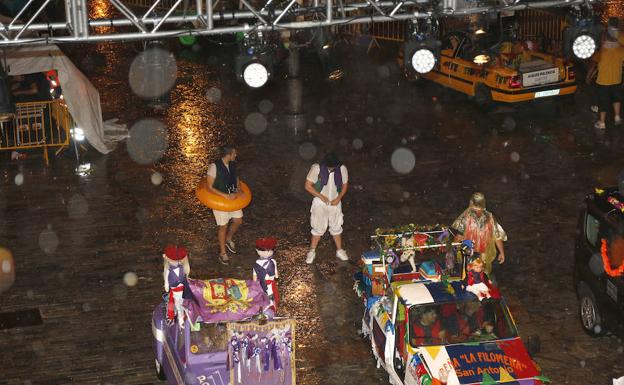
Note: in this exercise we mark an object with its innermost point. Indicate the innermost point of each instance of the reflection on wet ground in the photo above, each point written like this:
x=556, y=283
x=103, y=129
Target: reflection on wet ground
x=87, y=247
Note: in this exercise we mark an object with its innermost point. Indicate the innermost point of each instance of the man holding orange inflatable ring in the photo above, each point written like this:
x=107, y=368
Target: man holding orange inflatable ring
x=223, y=181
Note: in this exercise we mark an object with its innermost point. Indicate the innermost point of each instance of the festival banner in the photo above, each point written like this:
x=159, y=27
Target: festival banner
x=262, y=354
x=224, y=299
x=491, y=362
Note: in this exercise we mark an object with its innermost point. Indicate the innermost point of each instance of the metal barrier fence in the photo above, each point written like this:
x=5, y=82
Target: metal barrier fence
x=533, y=24
x=37, y=125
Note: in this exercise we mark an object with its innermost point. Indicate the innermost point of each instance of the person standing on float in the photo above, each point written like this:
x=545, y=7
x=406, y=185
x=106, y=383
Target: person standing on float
x=327, y=183
x=480, y=226
x=223, y=180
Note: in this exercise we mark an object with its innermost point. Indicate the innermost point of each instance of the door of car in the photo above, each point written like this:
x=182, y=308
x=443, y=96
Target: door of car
x=614, y=280
x=605, y=288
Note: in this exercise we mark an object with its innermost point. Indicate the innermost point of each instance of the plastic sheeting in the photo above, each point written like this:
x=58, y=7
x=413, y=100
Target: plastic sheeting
x=82, y=99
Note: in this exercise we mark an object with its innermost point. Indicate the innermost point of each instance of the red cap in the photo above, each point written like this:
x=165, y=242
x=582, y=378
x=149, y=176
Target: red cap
x=175, y=253
x=266, y=243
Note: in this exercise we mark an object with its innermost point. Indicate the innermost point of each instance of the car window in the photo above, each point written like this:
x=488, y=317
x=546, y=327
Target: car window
x=460, y=322
x=591, y=229
x=208, y=338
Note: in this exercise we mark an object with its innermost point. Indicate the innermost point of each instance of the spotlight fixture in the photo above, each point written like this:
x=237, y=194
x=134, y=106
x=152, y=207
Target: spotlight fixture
x=7, y=108
x=421, y=47
x=582, y=36
x=323, y=43
x=254, y=62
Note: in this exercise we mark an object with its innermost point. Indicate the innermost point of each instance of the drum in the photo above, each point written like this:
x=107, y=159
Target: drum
x=217, y=202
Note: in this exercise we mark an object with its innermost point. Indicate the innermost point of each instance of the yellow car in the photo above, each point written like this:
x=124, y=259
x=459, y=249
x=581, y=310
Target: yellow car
x=515, y=74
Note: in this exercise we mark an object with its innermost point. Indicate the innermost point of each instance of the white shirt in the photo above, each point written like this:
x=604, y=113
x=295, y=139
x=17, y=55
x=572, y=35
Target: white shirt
x=212, y=169
x=329, y=190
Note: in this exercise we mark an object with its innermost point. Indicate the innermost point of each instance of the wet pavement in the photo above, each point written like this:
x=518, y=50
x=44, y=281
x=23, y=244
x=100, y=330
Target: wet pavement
x=87, y=244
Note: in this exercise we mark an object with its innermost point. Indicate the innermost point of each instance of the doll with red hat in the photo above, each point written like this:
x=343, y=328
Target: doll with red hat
x=265, y=269
x=176, y=269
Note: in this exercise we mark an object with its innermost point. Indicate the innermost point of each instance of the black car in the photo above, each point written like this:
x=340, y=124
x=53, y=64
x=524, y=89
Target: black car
x=599, y=262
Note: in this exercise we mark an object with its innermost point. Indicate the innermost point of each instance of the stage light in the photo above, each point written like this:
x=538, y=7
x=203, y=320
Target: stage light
x=583, y=46
x=421, y=46
x=582, y=36
x=255, y=75
x=254, y=63
x=423, y=60
x=323, y=43
x=7, y=108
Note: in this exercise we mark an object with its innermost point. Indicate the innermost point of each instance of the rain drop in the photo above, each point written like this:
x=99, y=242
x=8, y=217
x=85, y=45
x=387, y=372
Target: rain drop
x=370, y=120
x=147, y=141
x=48, y=240
x=405, y=210
x=86, y=307
x=255, y=123
x=19, y=179
x=403, y=160
x=406, y=194
x=307, y=150
x=509, y=124
x=77, y=206
x=504, y=179
x=582, y=363
x=156, y=178
x=30, y=294
x=357, y=144
x=153, y=73
x=525, y=176
x=620, y=350
x=319, y=119
x=515, y=157
x=213, y=95
x=130, y=279
x=383, y=71
x=597, y=329
x=437, y=107
x=403, y=141
x=265, y=106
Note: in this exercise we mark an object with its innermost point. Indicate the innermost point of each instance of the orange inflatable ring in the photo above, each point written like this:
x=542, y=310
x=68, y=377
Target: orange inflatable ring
x=217, y=202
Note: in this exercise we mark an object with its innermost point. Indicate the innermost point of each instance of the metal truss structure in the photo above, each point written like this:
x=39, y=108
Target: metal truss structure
x=173, y=18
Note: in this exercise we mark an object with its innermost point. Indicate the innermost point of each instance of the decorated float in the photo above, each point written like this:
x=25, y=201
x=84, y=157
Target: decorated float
x=219, y=331
x=425, y=326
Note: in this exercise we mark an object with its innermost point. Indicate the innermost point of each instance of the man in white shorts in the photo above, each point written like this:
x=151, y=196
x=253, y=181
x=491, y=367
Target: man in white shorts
x=328, y=183
x=223, y=180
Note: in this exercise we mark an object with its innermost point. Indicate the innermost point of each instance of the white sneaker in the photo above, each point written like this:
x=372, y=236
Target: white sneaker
x=617, y=120
x=310, y=256
x=342, y=255
x=600, y=125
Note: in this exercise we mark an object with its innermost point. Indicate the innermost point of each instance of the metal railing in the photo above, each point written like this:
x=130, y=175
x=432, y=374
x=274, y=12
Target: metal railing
x=40, y=124
x=533, y=24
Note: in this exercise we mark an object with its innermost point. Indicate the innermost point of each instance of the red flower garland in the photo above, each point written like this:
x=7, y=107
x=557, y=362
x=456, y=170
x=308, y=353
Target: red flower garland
x=607, y=265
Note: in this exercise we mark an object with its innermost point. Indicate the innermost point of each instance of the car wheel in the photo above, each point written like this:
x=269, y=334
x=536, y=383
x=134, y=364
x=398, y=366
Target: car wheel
x=589, y=312
x=483, y=97
x=160, y=372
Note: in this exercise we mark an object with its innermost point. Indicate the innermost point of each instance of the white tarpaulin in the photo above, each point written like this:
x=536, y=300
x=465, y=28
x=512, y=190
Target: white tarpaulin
x=82, y=99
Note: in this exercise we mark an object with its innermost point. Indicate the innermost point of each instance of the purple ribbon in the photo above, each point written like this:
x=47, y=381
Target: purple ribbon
x=265, y=353
x=276, y=360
